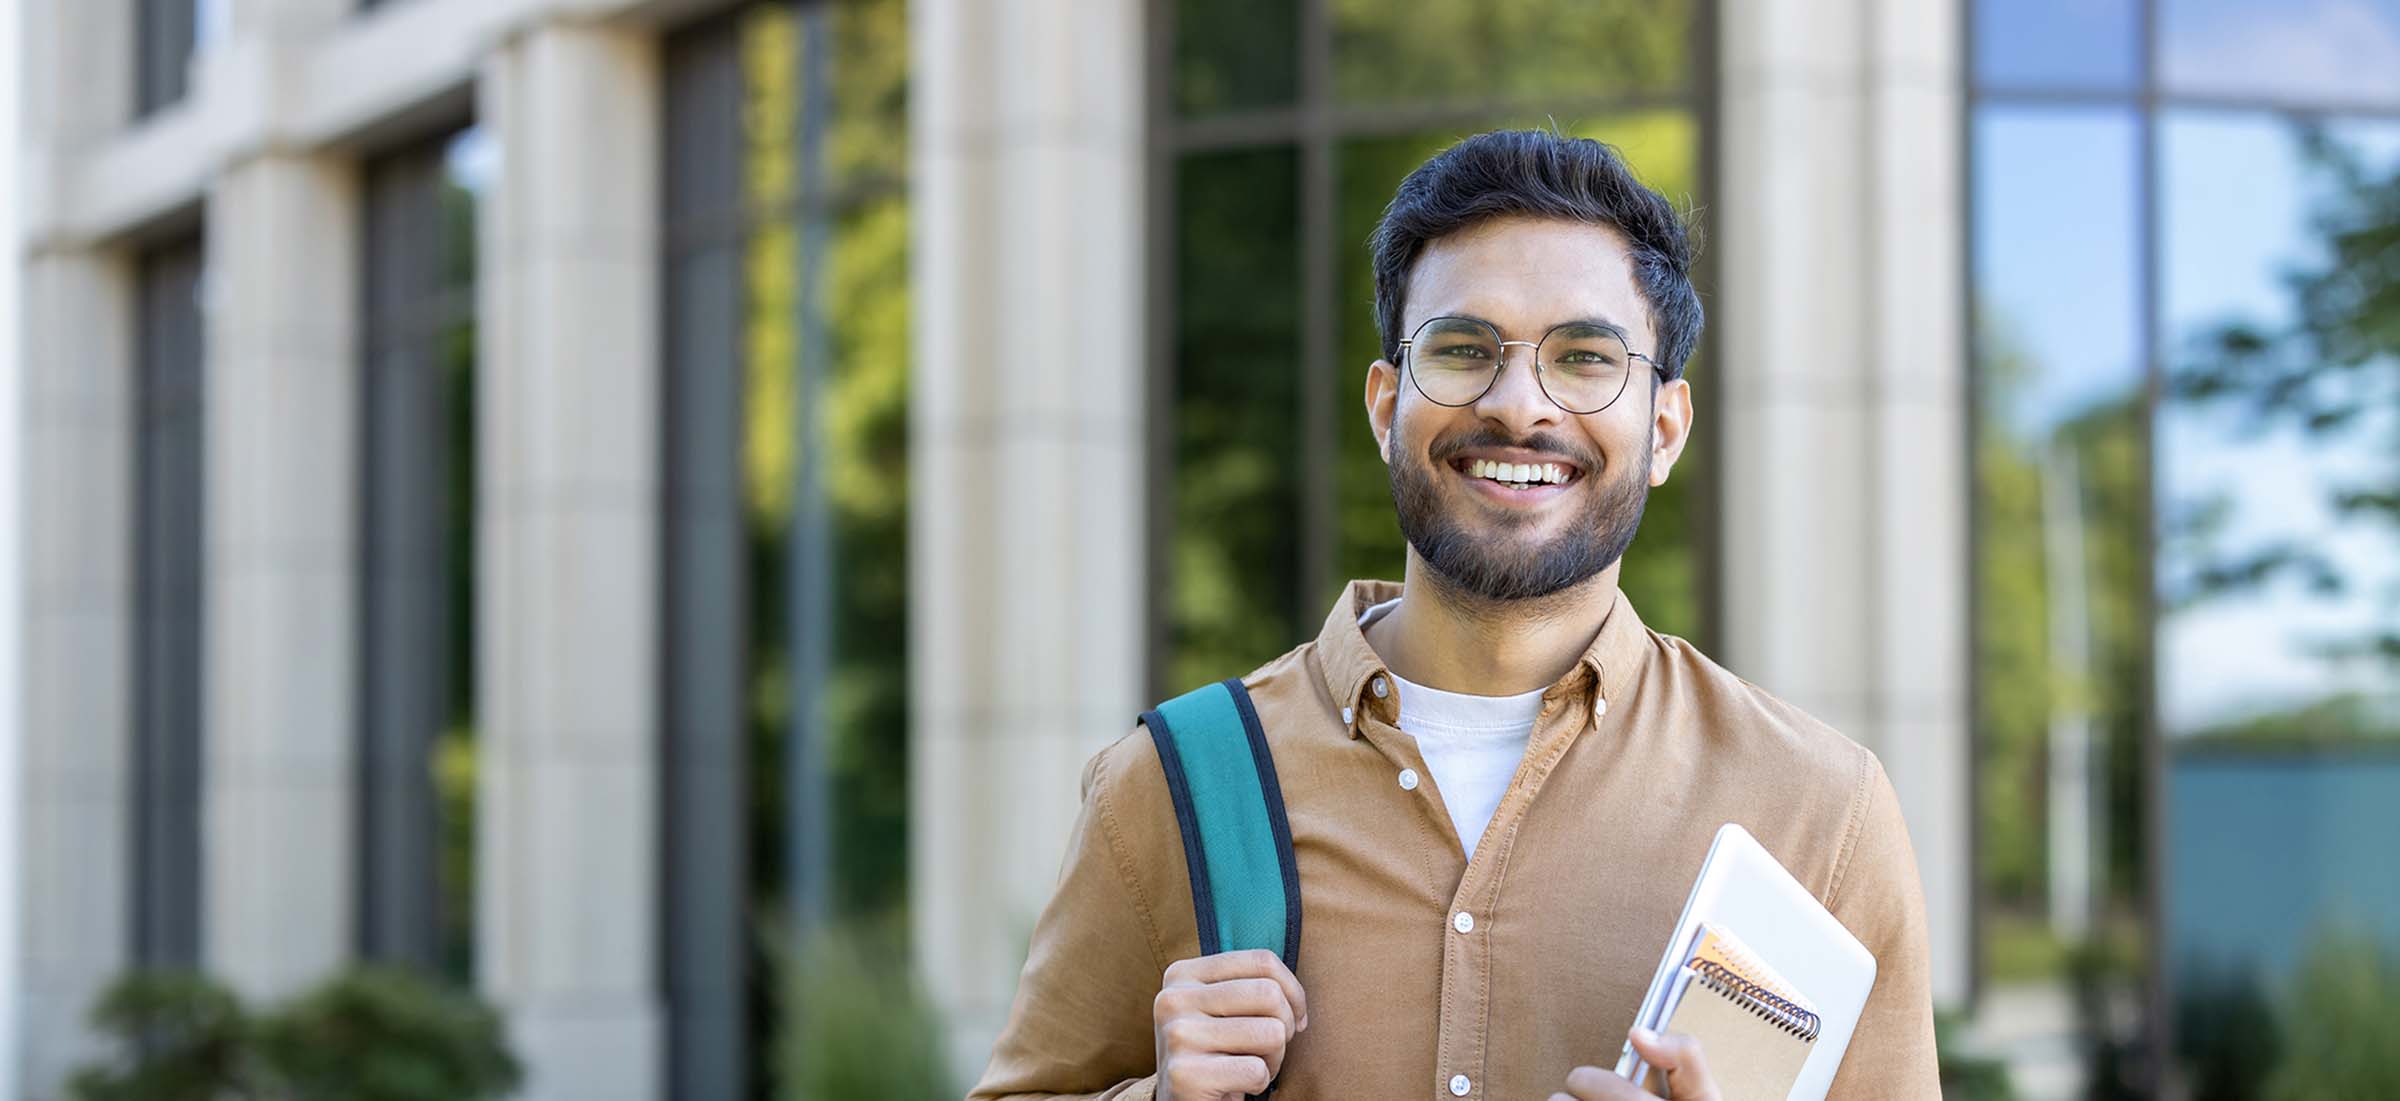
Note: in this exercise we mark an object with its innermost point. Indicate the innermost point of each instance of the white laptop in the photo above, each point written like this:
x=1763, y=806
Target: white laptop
x=1741, y=888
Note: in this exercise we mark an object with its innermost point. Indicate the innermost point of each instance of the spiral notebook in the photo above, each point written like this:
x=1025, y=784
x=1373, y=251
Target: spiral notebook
x=1768, y=979
x=1757, y=1040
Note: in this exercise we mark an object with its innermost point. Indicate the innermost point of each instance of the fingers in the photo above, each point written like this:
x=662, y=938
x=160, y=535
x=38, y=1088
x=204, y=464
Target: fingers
x=1253, y=963
x=1216, y=1076
x=1595, y=1084
x=1676, y=1055
x=1237, y=998
x=1223, y=1022
x=1207, y=1037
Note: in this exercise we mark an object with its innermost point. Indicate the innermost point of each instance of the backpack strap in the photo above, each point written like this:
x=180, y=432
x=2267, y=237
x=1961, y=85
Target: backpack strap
x=1236, y=842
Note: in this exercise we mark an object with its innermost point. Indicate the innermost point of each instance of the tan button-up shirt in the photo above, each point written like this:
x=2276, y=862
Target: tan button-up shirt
x=1640, y=752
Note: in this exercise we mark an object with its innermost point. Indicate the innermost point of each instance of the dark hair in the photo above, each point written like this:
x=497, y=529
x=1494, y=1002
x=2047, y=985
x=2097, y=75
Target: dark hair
x=1538, y=173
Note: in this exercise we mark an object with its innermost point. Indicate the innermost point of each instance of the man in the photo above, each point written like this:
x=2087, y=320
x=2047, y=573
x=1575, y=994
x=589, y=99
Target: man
x=1499, y=783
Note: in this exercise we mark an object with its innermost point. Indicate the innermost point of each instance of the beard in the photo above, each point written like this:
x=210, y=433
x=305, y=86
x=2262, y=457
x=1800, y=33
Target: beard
x=1502, y=566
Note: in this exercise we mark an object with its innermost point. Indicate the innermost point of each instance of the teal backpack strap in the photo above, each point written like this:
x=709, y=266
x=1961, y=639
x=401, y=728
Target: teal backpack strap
x=1236, y=842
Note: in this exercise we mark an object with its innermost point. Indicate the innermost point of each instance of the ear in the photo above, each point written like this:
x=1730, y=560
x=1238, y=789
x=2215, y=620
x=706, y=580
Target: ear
x=1383, y=403
x=1670, y=428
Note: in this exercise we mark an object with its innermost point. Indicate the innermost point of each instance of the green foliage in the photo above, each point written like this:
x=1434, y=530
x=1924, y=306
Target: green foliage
x=2323, y=378
x=2112, y=1052
x=857, y=1024
x=184, y=1037
x=2225, y=1030
x=2020, y=686
x=377, y=1034
x=1967, y=1077
x=2341, y=1026
x=2346, y=721
x=366, y=1035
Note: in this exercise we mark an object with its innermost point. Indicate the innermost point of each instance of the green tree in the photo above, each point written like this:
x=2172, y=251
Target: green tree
x=2341, y=1027
x=2332, y=374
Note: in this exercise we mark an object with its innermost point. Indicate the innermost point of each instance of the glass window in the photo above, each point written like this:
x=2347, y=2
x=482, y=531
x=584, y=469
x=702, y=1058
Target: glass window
x=1529, y=53
x=2329, y=51
x=1272, y=474
x=784, y=584
x=2059, y=442
x=1237, y=482
x=417, y=516
x=1235, y=54
x=2279, y=565
x=2058, y=44
x=2249, y=277
x=1661, y=573
x=169, y=521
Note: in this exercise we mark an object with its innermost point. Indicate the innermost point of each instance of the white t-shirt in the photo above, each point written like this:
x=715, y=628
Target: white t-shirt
x=1471, y=744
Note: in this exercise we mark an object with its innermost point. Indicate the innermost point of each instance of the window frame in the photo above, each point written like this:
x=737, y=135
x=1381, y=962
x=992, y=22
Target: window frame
x=1316, y=124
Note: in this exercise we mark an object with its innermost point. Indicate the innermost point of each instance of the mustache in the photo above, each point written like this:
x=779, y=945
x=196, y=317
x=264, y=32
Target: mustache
x=1443, y=450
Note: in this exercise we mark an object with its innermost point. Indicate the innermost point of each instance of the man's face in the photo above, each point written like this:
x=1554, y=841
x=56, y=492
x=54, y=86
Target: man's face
x=1523, y=276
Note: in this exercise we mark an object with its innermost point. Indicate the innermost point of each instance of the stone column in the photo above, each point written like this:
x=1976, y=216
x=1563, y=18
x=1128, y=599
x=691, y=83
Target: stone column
x=567, y=845
x=75, y=428
x=280, y=778
x=1843, y=359
x=1026, y=167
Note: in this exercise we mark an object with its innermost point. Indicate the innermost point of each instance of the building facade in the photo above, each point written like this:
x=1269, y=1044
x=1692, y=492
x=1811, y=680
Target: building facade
x=561, y=493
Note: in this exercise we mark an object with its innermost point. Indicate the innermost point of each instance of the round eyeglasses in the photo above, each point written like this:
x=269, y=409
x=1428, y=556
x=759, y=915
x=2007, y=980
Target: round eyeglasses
x=1581, y=366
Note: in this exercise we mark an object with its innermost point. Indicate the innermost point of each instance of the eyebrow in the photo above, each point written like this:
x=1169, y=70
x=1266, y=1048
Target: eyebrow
x=1596, y=322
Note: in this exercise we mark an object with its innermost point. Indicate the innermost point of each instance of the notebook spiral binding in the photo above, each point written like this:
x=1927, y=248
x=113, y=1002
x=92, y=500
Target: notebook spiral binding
x=1774, y=1008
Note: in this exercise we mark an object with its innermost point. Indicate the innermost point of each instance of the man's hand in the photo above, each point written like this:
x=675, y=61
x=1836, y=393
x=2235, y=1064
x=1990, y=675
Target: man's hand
x=1221, y=1023
x=1675, y=1055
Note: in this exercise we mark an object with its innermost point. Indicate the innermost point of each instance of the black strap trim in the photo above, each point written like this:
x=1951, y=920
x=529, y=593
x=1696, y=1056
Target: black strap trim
x=1179, y=791
x=1272, y=789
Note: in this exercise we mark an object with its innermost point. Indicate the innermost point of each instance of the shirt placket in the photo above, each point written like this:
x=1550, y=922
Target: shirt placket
x=1467, y=927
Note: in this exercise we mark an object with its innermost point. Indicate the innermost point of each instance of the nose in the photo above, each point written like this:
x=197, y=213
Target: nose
x=1515, y=398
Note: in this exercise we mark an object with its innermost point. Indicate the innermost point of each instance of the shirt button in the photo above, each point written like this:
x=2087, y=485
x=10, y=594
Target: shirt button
x=1600, y=709
x=1408, y=779
x=1459, y=1085
x=1381, y=689
x=1463, y=921
x=1345, y=716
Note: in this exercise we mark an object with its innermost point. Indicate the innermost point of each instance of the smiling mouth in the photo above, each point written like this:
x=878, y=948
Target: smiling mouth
x=1523, y=477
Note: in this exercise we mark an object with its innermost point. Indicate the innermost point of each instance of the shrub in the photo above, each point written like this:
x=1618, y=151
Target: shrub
x=370, y=1034
x=857, y=1024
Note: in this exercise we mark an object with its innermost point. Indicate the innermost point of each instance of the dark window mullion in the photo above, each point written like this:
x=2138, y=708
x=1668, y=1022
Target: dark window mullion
x=1319, y=335
x=707, y=585
x=2158, y=979
x=165, y=33
x=413, y=443
x=168, y=702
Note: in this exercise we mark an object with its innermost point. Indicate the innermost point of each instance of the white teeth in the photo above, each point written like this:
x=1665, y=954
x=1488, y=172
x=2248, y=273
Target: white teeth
x=1523, y=473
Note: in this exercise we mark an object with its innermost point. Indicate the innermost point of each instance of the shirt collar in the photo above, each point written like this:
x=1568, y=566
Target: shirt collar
x=1348, y=665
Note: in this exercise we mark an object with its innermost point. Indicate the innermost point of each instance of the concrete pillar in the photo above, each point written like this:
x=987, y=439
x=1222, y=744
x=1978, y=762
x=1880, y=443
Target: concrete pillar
x=1844, y=429
x=567, y=843
x=76, y=428
x=282, y=571
x=75, y=418
x=1026, y=636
